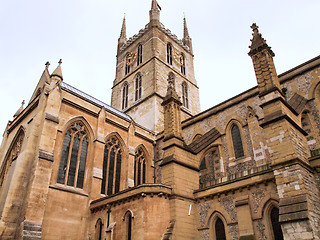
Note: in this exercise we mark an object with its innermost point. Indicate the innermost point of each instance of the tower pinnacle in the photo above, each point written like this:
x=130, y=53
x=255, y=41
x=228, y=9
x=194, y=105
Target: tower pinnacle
x=154, y=13
x=122, y=40
x=258, y=43
x=186, y=38
x=57, y=72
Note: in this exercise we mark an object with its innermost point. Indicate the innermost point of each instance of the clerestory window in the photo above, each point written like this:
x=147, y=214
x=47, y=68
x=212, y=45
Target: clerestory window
x=237, y=141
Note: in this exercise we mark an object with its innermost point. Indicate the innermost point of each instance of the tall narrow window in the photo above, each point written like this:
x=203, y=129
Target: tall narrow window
x=139, y=168
x=169, y=53
x=276, y=228
x=139, y=58
x=73, y=156
x=237, y=142
x=182, y=64
x=99, y=228
x=125, y=96
x=128, y=221
x=220, y=230
x=138, y=86
x=185, y=100
x=128, y=63
x=111, y=173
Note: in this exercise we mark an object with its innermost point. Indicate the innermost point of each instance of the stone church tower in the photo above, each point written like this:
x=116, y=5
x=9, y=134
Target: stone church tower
x=143, y=65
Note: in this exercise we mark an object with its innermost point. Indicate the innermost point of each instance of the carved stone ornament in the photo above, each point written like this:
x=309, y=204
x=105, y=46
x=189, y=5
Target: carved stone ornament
x=203, y=211
x=261, y=227
x=229, y=206
x=257, y=196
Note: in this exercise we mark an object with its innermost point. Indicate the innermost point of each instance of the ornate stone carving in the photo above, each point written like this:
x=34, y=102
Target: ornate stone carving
x=229, y=206
x=257, y=196
x=203, y=211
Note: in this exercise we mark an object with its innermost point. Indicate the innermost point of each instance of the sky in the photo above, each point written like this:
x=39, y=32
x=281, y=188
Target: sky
x=84, y=34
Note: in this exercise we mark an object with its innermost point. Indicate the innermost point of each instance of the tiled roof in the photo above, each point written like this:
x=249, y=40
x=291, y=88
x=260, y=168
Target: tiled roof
x=95, y=101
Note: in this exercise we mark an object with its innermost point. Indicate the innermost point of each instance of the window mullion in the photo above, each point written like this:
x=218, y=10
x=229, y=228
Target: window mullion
x=69, y=158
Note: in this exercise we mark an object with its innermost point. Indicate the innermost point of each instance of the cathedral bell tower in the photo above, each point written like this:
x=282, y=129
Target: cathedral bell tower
x=144, y=62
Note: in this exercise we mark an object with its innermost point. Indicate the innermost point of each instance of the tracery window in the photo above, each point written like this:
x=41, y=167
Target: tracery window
x=111, y=172
x=209, y=168
x=138, y=87
x=11, y=156
x=139, y=58
x=185, y=100
x=182, y=64
x=220, y=230
x=276, y=228
x=169, y=53
x=125, y=95
x=73, y=156
x=139, y=167
x=237, y=141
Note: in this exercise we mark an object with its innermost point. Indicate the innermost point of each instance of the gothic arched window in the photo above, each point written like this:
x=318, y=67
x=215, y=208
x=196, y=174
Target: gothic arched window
x=73, y=156
x=128, y=221
x=220, y=230
x=111, y=172
x=99, y=228
x=125, y=95
x=169, y=53
x=237, y=141
x=182, y=64
x=276, y=228
x=128, y=63
x=139, y=58
x=138, y=86
x=139, y=168
x=185, y=100
x=209, y=168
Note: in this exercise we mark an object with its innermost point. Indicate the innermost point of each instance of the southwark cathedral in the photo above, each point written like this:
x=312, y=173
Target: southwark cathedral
x=152, y=166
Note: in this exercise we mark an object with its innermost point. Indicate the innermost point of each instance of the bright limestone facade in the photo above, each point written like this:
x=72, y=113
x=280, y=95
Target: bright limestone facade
x=151, y=165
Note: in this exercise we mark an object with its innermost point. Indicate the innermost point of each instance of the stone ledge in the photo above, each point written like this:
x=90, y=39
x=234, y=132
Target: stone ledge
x=45, y=155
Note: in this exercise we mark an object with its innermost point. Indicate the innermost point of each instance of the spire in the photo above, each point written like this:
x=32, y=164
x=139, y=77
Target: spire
x=187, y=41
x=154, y=13
x=58, y=72
x=123, y=34
x=122, y=40
x=258, y=43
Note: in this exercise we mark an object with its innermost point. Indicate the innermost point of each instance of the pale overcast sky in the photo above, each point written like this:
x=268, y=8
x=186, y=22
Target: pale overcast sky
x=84, y=34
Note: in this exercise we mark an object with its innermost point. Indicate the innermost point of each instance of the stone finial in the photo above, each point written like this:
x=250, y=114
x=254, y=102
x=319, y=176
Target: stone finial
x=154, y=13
x=19, y=110
x=187, y=41
x=58, y=72
x=258, y=43
x=47, y=64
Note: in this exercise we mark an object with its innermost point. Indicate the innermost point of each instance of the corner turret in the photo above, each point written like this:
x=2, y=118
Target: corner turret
x=122, y=40
x=187, y=41
x=154, y=13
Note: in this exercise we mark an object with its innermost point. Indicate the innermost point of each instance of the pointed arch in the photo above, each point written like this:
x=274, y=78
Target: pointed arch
x=125, y=93
x=138, y=86
x=235, y=139
x=99, y=229
x=112, y=164
x=139, y=57
x=141, y=164
x=271, y=217
x=169, y=53
x=209, y=167
x=182, y=64
x=221, y=217
x=128, y=219
x=73, y=156
x=185, y=99
x=8, y=164
x=128, y=63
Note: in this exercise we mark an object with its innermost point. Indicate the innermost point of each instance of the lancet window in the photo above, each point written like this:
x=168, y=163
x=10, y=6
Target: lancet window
x=111, y=173
x=185, y=100
x=125, y=95
x=276, y=228
x=169, y=53
x=73, y=156
x=139, y=167
x=139, y=58
x=138, y=84
x=237, y=141
x=182, y=64
x=128, y=63
x=220, y=230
